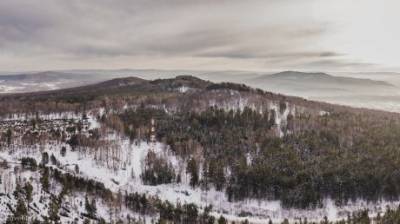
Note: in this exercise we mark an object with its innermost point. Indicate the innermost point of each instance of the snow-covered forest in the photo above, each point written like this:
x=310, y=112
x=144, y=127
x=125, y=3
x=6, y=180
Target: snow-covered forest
x=185, y=150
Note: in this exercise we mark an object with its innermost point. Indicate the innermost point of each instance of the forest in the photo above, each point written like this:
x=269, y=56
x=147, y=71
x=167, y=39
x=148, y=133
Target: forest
x=244, y=142
x=344, y=156
x=166, y=211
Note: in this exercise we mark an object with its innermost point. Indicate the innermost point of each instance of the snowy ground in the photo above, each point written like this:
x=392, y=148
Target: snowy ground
x=73, y=203
x=119, y=165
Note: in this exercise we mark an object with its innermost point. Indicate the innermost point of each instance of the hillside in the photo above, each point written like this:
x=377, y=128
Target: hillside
x=363, y=91
x=186, y=150
x=317, y=82
x=51, y=80
x=40, y=81
x=318, y=77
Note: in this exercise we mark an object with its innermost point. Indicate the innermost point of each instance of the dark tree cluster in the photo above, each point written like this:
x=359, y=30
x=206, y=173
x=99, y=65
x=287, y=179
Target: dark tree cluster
x=29, y=163
x=157, y=170
x=71, y=182
x=342, y=155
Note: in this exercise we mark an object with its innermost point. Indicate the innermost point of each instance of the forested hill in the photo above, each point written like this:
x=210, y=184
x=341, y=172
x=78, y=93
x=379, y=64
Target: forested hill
x=137, y=89
x=243, y=141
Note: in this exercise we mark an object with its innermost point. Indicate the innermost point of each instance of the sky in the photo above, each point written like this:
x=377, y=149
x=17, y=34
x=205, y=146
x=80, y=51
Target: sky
x=265, y=35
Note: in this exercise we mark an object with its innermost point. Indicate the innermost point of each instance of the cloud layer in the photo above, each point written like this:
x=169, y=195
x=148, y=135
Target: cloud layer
x=255, y=35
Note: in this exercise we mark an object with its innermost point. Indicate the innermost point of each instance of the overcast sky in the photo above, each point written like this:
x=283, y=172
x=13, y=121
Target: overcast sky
x=265, y=35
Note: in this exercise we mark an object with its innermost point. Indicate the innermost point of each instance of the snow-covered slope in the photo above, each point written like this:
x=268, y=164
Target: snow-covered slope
x=118, y=163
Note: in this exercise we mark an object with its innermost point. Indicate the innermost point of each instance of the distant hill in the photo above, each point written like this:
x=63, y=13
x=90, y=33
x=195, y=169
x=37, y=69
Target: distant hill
x=41, y=81
x=51, y=80
x=317, y=84
x=46, y=76
x=297, y=78
x=348, y=89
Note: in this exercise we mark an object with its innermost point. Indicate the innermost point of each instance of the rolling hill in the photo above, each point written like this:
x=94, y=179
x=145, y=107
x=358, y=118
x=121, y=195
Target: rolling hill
x=318, y=82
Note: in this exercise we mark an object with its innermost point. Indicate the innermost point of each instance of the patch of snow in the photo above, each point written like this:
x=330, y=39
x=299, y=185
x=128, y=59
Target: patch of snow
x=183, y=89
x=323, y=113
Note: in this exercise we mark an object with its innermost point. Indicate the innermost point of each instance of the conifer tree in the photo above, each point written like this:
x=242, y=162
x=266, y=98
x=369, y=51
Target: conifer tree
x=222, y=220
x=53, y=211
x=28, y=191
x=20, y=215
x=44, y=179
x=193, y=170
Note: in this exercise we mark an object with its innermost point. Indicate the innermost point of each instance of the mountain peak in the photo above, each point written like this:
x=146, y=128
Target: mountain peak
x=295, y=77
x=296, y=74
x=126, y=81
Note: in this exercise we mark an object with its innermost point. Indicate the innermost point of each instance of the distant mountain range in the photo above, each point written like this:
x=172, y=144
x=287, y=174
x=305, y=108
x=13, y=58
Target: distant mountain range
x=354, y=89
x=292, y=81
x=288, y=80
x=40, y=81
x=293, y=76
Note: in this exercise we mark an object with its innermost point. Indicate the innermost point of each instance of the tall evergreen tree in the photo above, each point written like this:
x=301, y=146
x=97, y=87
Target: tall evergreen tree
x=54, y=207
x=28, y=191
x=44, y=179
x=193, y=170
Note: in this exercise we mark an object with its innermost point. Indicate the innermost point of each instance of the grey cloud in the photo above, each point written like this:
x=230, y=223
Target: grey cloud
x=234, y=30
x=18, y=24
x=128, y=26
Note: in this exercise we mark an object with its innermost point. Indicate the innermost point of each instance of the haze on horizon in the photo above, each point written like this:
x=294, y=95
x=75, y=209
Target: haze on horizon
x=265, y=35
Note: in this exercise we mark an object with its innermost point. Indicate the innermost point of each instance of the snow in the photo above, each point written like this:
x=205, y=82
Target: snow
x=281, y=118
x=121, y=179
x=239, y=103
x=73, y=202
x=249, y=159
x=9, y=89
x=50, y=116
x=93, y=123
x=323, y=113
x=183, y=89
x=118, y=163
